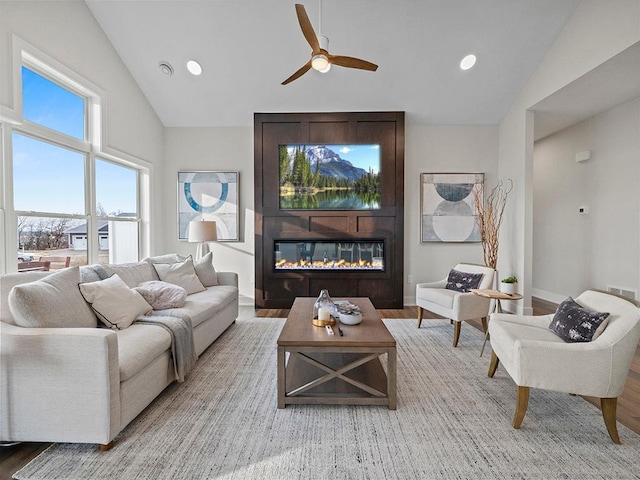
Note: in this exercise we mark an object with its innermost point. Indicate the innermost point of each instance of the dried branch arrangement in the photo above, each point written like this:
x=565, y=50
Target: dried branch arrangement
x=490, y=218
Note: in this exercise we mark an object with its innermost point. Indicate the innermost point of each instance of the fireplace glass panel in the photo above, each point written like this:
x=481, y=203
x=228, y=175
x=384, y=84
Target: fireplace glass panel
x=329, y=255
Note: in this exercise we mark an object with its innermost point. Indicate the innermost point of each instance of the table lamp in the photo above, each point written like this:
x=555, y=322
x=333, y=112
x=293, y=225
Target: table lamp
x=202, y=231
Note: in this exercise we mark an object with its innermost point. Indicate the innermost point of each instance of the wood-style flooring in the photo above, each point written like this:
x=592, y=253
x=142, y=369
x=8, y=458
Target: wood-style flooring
x=13, y=458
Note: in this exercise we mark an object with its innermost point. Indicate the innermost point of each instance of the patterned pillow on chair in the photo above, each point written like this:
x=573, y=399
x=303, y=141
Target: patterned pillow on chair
x=574, y=323
x=463, y=281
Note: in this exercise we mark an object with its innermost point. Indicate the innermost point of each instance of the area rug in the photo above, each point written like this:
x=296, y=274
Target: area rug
x=451, y=422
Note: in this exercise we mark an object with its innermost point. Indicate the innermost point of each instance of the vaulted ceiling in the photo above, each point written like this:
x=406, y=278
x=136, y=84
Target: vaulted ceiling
x=248, y=47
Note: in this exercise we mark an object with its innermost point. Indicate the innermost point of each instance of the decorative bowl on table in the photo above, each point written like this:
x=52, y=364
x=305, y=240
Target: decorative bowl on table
x=349, y=314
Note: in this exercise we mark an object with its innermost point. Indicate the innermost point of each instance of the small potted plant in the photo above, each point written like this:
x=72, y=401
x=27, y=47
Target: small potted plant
x=350, y=314
x=509, y=285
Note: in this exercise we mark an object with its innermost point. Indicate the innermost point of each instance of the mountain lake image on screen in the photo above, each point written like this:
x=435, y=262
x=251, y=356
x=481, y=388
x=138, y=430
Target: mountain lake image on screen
x=329, y=177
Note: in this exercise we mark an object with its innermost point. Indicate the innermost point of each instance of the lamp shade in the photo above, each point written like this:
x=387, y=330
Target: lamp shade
x=202, y=231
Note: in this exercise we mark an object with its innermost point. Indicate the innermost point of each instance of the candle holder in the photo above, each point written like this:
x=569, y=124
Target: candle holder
x=323, y=310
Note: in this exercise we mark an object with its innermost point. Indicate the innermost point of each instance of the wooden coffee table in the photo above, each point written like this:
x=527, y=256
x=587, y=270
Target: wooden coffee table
x=334, y=369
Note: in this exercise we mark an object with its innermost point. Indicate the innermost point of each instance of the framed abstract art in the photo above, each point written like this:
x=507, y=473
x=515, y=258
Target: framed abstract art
x=209, y=196
x=447, y=207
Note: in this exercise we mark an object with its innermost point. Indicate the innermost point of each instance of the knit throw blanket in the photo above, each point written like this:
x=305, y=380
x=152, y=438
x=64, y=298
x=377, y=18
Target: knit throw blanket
x=183, y=350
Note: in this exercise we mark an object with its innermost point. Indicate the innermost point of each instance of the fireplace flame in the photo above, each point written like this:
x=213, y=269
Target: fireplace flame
x=341, y=264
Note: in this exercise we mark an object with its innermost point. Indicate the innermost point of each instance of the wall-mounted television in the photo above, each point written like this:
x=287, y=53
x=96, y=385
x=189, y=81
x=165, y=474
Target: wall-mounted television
x=329, y=177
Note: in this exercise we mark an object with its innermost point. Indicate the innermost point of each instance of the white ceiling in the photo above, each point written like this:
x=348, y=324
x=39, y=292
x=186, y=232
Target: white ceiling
x=610, y=84
x=248, y=47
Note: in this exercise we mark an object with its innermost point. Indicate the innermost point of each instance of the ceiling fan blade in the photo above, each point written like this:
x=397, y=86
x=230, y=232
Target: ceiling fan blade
x=307, y=28
x=301, y=71
x=352, y=62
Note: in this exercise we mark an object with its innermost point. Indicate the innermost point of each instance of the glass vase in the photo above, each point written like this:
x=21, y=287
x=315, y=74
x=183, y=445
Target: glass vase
x=323, y=310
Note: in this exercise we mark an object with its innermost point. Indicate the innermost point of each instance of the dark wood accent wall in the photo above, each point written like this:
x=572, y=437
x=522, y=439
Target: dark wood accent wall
x=277, y=289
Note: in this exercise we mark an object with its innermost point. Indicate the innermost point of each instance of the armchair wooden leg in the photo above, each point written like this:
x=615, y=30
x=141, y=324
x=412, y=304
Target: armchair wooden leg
x=106, y=446
x=419, y=316
x=609, y=406
x=493, y=366
x=484, y=324
x=456, y=333
x=522, y=402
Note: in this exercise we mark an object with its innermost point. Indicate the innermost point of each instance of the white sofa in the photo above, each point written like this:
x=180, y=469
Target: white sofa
x=84, y=385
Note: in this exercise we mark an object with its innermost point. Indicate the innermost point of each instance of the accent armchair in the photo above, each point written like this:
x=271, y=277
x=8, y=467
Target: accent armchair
x=453, y=304
x=534, y=356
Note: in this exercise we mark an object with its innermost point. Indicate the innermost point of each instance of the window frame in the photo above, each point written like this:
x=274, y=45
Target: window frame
x=91, y=147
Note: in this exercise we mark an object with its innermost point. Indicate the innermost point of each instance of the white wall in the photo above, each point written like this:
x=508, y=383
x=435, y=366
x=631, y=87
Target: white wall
x=441, y=149
x=67, y=32
x=573, y=252
x=597, y=31
x=216, y=149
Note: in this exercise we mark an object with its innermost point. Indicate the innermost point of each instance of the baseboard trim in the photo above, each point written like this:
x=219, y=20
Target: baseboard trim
x=548, y=296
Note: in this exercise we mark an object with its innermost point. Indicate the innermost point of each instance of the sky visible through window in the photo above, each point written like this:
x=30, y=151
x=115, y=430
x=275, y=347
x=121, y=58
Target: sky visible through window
x=46, y=103
x=49, y=178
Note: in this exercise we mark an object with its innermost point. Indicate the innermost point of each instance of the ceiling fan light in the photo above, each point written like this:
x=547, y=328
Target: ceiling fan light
x=320, y=63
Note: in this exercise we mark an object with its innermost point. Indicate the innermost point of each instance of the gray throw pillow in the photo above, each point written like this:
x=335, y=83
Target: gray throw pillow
x=574, y=323
x=54, y=301
x=206, y=272
x=463, y=281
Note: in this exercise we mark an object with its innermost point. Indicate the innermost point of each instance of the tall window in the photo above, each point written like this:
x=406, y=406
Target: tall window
x=117, y=209
x=67, y=201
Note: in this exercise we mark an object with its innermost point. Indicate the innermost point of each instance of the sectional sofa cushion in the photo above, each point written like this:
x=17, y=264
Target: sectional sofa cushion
x=203, y=305
x=138, y=346
x=10, y=280
x=115, y=304
x=180, y=273
x=52, y=302
x=133, y=274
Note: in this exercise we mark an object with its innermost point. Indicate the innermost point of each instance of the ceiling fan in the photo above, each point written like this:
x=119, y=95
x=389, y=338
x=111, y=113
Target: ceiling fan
x=321, y=59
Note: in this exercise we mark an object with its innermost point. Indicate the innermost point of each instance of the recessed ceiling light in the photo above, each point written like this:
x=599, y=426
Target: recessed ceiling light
x=468, y=62
x=194, y=67
x=166, y=68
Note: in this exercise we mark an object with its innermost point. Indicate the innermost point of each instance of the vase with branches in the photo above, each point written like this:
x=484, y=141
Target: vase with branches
x=489, y=219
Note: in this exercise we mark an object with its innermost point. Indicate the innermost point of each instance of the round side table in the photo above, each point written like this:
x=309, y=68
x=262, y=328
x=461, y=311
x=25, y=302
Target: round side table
x=498, y=296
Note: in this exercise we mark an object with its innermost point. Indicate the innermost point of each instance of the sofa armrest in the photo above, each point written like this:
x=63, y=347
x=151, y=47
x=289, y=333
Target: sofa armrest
x=584, y=368
x=59, y=384
x=228, y=278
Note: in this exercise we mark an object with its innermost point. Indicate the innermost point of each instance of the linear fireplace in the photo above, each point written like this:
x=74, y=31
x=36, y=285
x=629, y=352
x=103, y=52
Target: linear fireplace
x=329, y=255
x=305, y=245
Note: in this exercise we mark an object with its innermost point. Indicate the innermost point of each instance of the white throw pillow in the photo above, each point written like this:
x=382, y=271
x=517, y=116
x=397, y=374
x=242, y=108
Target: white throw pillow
x=206, y=272
x=115, y=304
x=180, y=273
x=53, y=301
x=166, y=258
